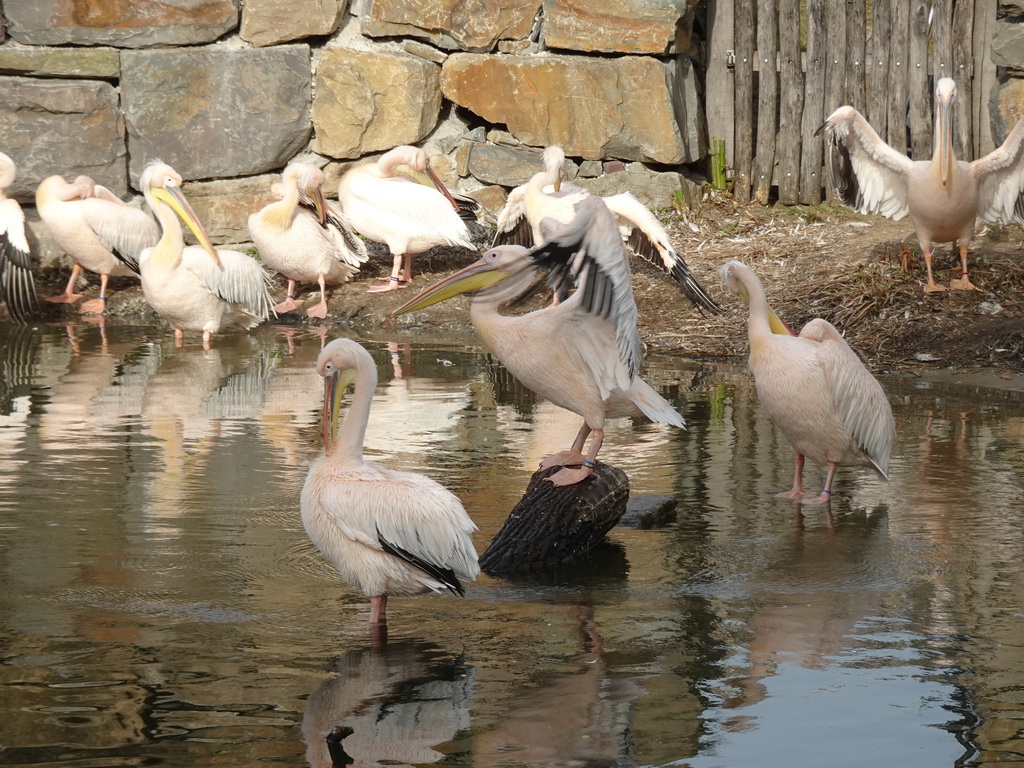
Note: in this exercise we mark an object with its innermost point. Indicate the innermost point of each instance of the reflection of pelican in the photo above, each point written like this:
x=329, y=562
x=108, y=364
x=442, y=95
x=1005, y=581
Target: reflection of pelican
x=545, y=196
x=306, y=245
x=387, y=532
x=197, y=288
x=943, y=195
x=97, y=230
x=399, y=201
x=815, y=389
x=581, y=354
x=17, y=288
x=400, y=702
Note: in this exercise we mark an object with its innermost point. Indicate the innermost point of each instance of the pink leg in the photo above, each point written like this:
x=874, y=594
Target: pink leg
x=394, y=282
x=963, y=283
x=931, y=286
x=798, y=480
x=320, y=310
x=290, y=302
x=826, y=492
x=378, y=609
x=568, y=476
x=206, y=340
x=69, y=296
x=179, y=338
x=571, y=457
x=97, y=306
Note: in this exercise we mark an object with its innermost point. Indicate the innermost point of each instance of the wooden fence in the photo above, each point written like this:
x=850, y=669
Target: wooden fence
x=777, y=68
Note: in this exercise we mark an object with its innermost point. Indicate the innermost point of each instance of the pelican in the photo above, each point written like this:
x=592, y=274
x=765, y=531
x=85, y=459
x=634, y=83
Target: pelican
x=944, y=196
x=581, y=354
x=198, y=288
x=545, y=195
x=399, y=201
x=815, y=389
x=97, y=230
x=17, y=287
x=387, y=532
x=306, y=245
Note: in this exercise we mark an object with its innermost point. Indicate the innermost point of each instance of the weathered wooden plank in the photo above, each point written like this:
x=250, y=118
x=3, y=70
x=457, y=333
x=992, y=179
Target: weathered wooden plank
x=984, y=75
x=878, y=69
x=899, y=77
x=856, y=31
x=917, y=83
x=791, y=102
x=743, y=76
x=718, y=80
x=962, y=41
x=767, y=101
x=811, y=180
x=941, y=50
x=835, y=63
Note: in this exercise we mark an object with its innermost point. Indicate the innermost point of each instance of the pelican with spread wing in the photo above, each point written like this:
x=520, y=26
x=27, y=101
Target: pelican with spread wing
x=17, y=286
x=546, y=196
x=198, y=288
x=581, y=354
x=944, y=196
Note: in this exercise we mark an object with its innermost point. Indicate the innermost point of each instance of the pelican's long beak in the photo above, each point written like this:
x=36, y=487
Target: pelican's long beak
x=332, y=401
x=478, y=275
x=316, y=195
x=439, y=185
x=944, y=138
x=172, y=196
x=776, y=324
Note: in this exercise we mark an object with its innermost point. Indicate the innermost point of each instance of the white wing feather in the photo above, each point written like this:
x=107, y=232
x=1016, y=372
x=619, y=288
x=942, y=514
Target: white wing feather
x=239, y=280
x=1000, y=177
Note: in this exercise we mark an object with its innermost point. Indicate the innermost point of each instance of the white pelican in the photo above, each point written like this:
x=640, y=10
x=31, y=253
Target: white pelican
x=943, y=195
x=815, y=389
x=198, y=288
x=17, y=287
x=398, y=201
x=97, y=230
x=581, y=354
x=546, y=196
x=306, y=245
x=387, y=532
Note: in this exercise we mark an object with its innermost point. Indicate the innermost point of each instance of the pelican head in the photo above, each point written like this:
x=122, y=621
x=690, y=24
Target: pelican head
x=161, y=183
x=738, y=278
x=554, y=158
x=416, y=165
x=497, y=264
x=945, y=94
x=309, y=180
x=338, y=364
x=8, y=171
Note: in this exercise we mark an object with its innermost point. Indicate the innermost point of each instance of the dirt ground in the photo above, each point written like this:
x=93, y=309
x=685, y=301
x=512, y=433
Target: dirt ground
x=862, y=273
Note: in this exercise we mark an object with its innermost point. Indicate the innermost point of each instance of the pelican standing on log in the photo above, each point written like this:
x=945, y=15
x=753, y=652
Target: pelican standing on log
x=97, y=230
x=581, y=354
x=546, y=196
x=306, y=244
x=387, y=532
x=944, y=196
x=17, y=286
x=815, y=388
x=400, y=202
x=198, y=288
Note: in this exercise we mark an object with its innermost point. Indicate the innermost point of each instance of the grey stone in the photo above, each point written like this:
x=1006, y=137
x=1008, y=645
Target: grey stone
x=66, y=127
x=271, y=22
x=120, y=23
x=424, y=51
x=468, y=25
x=213, y=113
x=652, y=511
x=92, y=63
x=494, y=164
x=224, y=206
x=1008, y=44
x=655, y=189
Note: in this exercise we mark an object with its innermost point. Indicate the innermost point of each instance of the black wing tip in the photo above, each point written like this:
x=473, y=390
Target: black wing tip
x=446, y=576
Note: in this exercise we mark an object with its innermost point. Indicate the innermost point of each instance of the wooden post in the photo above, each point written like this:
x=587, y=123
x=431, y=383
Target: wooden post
x=718, y=80
x=942, y=66
x=856, y=30
x=878, y=69
x=835, y=64
x=767, y=100
x=744, y=104
x=791, y=102
x=920, y=93
x=554, y=526
x=963, y=74
x=814, y=106
x=899, y=75
x=984, y=75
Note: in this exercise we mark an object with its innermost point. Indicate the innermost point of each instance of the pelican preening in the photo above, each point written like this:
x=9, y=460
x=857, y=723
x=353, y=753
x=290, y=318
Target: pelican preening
x=98, y=231
x=398, y=201
x=815, y=389
x=546, y=196
x=306, y=245
x=581, y=354
x=17, y=286
x=198, y=288
x=944, y=196
x=387, y=532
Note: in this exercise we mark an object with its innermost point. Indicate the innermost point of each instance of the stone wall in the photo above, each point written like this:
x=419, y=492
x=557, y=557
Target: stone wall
x=228, y=93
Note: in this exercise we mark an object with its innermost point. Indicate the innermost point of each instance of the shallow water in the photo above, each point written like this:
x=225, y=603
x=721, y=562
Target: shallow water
x=160, y=603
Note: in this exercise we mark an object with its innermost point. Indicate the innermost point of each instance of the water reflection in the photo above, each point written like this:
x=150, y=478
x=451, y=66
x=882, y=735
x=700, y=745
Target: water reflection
x=160, y=603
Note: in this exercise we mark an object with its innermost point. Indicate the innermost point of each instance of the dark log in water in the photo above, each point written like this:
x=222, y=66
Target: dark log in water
x=552, y=526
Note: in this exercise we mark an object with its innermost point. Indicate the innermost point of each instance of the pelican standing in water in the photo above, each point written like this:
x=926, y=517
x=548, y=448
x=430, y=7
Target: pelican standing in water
x=581, y=354
x=198, y=288
x=400, y=202
x=97, y=230
x=546, y=196
x=815, y=388
x=17, y=287
x=387, y=532
x=306, y=244
x=944, y=196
